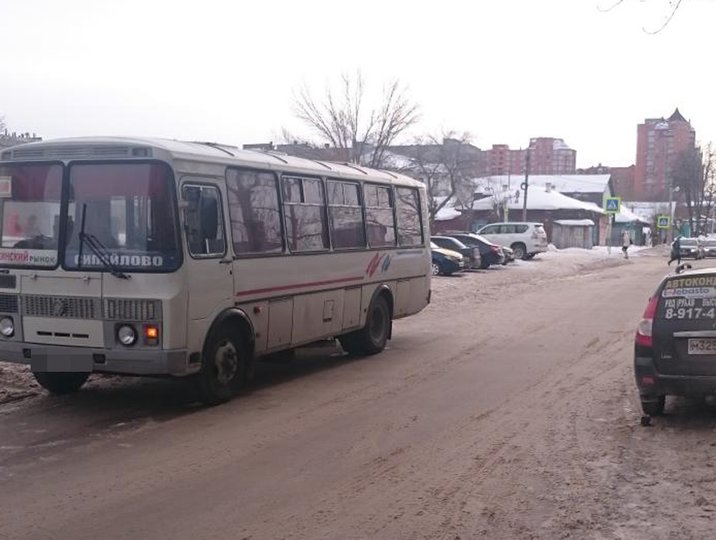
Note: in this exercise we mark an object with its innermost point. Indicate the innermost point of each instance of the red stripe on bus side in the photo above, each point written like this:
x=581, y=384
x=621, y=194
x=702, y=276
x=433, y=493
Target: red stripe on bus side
x=300, y=285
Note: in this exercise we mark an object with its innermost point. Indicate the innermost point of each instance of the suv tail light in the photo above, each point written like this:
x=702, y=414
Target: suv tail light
x=643, y=329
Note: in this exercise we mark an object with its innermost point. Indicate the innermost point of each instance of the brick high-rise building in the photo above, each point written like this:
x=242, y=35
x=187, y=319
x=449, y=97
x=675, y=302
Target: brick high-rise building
x=551, y=156
x=501, y=160
x=547, y=156
x=659, y=142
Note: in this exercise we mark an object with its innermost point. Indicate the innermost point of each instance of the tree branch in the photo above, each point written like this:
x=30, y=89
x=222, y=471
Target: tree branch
x=675, y=6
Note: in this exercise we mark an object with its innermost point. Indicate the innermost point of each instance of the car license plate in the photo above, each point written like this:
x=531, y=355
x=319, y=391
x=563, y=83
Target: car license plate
x=702, y=346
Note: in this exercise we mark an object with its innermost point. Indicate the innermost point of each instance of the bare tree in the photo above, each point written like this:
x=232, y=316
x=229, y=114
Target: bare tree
x=444, y=164
x=2, y=125
x=687, y=175
x=705, y=202
x=345, y=121
x=673, y=8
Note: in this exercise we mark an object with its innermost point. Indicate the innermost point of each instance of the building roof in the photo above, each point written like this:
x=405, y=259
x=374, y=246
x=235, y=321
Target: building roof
x=566, y=183
x=648, y=210
x=447, y=213
x=677, y=116
x=575, y=222
x=538, y=198
x=627, y=216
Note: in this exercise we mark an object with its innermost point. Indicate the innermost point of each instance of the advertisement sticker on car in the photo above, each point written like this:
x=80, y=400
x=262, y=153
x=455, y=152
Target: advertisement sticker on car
x=689, y=298
x=690, y=287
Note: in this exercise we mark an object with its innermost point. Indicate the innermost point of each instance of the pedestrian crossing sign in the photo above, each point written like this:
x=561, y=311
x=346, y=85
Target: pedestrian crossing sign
x=612, y=205
x=663, y=222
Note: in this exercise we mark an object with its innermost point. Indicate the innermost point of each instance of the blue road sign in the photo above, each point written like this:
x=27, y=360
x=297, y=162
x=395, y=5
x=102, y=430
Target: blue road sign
x=663, y=222
x=613, y=205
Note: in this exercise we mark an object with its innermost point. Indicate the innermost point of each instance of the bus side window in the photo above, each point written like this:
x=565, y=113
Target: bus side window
x=203, y=221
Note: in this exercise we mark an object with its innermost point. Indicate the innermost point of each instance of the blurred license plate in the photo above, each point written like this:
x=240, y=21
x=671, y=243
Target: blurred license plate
x=702, y=346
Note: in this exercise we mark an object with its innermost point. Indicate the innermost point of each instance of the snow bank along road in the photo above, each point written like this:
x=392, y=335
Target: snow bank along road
x=506, y=410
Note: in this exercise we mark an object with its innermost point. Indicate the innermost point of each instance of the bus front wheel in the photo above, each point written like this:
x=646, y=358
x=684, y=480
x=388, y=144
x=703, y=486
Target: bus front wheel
x=61, y=382
x=223, y=367
x=370, y=339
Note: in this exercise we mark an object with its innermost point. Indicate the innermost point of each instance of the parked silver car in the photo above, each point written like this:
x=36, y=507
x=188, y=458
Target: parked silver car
x=526, y=239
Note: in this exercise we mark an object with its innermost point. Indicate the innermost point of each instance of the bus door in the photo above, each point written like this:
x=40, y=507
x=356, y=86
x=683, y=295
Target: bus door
x=209, y=281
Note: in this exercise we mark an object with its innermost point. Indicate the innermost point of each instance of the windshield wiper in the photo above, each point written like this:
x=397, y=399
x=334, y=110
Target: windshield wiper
x=99, y=250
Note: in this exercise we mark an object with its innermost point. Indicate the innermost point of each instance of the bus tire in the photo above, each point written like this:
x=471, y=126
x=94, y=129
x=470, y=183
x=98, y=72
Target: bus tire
x=223, y=367
x=370, y=339
x=61, y=382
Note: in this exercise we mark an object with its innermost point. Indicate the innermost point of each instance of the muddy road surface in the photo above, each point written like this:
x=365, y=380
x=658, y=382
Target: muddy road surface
x=506, y=409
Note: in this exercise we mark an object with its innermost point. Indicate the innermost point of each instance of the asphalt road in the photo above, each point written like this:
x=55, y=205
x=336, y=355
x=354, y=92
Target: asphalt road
x=505, y=410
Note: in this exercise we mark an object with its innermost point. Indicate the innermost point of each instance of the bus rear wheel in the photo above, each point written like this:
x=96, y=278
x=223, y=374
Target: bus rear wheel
x=370, y=339
x=223, y=367
x=61, y=382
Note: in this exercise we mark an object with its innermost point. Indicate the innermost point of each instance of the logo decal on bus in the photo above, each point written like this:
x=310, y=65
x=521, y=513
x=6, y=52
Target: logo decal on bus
x=379, y=260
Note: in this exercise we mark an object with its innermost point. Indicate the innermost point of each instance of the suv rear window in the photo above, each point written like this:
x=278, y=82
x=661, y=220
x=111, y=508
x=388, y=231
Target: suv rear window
x=688, y=298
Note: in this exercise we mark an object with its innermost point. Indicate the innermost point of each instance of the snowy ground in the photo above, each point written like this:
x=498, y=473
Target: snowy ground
x=507, y=409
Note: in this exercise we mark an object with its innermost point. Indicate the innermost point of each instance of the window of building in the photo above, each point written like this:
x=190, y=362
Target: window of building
x=254, y=211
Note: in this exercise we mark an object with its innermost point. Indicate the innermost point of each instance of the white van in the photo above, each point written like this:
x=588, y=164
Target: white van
x=527, y=239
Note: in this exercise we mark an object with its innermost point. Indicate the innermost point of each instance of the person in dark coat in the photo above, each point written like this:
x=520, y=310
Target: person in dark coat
x=675, y=251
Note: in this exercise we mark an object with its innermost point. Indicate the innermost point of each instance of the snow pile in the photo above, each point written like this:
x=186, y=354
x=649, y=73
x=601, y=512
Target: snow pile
x=16, y=382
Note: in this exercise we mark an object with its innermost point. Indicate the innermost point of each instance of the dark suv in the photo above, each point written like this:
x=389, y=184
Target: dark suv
x=675, y=349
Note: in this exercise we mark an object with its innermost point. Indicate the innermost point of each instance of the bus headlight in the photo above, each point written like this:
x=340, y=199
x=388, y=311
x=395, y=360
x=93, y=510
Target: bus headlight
x=126, y=335
x=7, y=327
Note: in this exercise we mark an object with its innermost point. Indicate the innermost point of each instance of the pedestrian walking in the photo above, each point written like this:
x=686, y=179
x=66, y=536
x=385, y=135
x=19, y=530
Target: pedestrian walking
x=647, y=234
x=675, y=251
x=626, y=242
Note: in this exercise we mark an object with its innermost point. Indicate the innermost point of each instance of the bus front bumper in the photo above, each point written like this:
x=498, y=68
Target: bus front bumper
x=57, y=358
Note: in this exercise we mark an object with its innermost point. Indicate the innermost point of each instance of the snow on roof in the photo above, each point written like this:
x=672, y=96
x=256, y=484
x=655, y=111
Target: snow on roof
x=559, y=144
x=627, y=216
x=538, y=198
x=391, y=160
x=448, y=211
x=566, y=183
x=575, y=222
x=648, y=210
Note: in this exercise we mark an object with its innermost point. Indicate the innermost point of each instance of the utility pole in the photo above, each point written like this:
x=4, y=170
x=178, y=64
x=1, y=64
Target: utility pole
x=670, y=237
x=525, y=185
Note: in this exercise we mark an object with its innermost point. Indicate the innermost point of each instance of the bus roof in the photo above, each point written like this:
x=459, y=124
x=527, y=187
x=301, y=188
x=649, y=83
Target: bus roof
x=146, y=147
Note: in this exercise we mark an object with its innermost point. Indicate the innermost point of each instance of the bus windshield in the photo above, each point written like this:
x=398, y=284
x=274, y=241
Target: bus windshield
x=121, y=215
x=30, y=210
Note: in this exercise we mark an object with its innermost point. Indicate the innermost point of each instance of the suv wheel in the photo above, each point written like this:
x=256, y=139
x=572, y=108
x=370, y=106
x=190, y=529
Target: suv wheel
x=520, y=250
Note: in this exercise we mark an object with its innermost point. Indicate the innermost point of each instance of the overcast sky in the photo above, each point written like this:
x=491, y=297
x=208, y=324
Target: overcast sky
x=502, y=70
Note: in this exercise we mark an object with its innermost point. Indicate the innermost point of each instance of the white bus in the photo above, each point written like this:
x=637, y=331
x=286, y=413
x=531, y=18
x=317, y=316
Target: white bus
x=158, y=257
